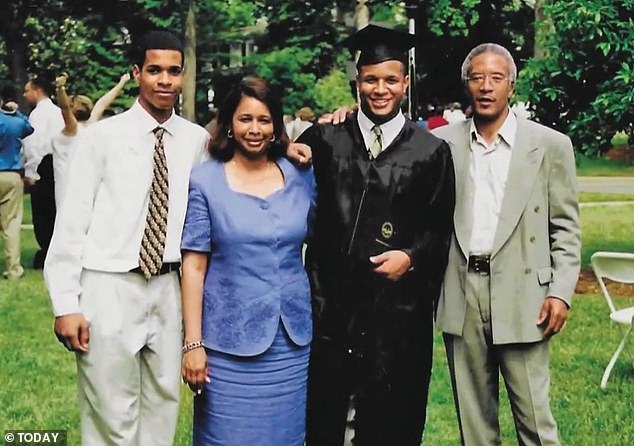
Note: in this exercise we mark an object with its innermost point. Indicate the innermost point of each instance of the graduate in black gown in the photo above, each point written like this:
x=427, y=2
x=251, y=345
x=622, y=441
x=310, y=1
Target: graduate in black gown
x=384, y=219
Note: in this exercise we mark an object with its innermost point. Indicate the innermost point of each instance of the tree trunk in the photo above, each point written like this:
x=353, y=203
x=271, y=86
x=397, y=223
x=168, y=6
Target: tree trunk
x=189, y=81
x=538, y=49
x=12, y=23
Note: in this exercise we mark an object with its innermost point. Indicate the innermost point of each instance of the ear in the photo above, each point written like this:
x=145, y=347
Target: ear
x=136, y=72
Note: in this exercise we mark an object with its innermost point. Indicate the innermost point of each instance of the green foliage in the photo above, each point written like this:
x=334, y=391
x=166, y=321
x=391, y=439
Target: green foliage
x=453, y=17
x=389, y=12
x=164, y=14
x=56, y=46
x=285, y=70
x=619, y=139
x=298, y=48
x=449, y=29
x=333, y=91
x=4, y=70
x=72, y=47
x=585, y=84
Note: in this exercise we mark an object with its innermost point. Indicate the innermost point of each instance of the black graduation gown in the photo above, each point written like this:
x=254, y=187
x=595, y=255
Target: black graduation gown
x=373, y=337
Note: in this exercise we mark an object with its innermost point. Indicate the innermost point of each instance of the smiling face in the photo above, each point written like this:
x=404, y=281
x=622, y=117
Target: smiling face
x=252, y=127
x=160, y=81
x=381, y=89
x=490, y=87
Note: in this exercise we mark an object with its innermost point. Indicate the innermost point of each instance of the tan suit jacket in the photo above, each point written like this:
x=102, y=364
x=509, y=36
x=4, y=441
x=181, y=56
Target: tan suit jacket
x=537, y=243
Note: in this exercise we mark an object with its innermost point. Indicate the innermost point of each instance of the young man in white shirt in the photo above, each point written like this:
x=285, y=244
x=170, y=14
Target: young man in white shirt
x=118, y=309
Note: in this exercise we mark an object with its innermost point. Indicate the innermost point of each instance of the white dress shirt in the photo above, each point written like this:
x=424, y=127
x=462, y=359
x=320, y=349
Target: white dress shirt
x=103, y=215
x=489, y=167
x=47, y=121
x=389, y=129
x=63, y=147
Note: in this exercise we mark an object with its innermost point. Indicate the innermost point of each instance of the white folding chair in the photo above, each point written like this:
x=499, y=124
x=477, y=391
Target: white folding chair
x=618, y=267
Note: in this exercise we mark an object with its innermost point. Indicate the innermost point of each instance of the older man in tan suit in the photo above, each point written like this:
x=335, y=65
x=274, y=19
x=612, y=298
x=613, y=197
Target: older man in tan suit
x=514, y=256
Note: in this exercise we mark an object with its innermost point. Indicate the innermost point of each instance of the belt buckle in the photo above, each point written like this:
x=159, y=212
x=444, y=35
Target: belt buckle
x=480, y=264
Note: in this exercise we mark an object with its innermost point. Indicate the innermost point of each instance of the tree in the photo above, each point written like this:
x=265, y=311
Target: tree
x=298, y=48
x=448, y=29
x=333, y=91
x=75, y=36
x=221, y=26
x=189, y=83
x=584, y=84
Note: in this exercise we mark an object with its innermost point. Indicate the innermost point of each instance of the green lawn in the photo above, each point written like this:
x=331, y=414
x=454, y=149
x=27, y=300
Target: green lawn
x=599, y=167
x=606, y=228
x=598, y=197
x=27, y=218
x=37, y=376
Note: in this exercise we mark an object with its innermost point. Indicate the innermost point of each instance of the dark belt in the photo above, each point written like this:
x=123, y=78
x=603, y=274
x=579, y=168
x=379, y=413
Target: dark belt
x=480, y=264
x=165, y=268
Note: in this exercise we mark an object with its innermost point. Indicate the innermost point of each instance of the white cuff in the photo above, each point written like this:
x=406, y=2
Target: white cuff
x=65, y=305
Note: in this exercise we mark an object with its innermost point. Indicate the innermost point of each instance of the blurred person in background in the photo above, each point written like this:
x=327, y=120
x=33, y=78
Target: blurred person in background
x=77, y=111
x=47, y=121
x=14, y=126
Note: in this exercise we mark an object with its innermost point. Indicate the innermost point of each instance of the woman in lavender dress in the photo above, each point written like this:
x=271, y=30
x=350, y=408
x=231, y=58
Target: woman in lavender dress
x=246, y=297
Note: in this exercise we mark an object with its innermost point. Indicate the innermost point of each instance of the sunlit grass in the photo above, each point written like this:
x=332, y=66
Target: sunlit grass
x=598, y=197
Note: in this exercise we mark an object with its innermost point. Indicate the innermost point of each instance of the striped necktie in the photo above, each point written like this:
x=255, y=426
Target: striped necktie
x=377, y=144
x=153, y=242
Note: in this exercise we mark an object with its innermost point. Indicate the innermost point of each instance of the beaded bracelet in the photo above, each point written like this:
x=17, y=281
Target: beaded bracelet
x=193, y=346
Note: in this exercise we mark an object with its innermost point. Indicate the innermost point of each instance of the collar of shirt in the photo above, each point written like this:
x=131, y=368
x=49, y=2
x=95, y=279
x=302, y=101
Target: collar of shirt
x=389, y=129
x=45, y=102
x=146, y=121
x=506, y=133
x=46, y=108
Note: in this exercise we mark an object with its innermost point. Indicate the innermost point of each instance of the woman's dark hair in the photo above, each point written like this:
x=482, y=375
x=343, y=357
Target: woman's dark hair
x=221, y=146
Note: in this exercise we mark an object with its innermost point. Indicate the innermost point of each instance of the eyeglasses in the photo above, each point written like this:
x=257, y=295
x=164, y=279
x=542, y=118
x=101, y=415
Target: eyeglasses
x=478, y=78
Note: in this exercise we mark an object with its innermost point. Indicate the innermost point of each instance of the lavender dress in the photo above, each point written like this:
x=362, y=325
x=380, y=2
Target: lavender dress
x=256, y=307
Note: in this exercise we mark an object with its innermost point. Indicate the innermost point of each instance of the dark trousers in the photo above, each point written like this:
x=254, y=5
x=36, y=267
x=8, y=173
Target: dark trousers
x=43, y=209
x=390, y=397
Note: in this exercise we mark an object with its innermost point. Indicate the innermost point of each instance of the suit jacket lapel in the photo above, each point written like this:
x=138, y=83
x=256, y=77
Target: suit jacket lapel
x=526, y=160
x=464, y=188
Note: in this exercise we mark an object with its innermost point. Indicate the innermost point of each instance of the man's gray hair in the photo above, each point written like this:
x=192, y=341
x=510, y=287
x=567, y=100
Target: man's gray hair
x=488, y=48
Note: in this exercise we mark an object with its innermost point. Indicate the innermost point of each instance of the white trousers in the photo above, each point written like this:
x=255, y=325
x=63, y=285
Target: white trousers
x=129, y=381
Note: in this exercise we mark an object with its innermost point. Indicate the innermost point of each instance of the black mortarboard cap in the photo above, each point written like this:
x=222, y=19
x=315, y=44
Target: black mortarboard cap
x=378, y=44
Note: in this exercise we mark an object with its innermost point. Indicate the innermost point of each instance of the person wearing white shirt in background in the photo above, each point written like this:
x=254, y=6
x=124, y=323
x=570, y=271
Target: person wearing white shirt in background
x=304, y=118
x=453, y=113
x=126, y=329
x=46, y=119
x=78, y=111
